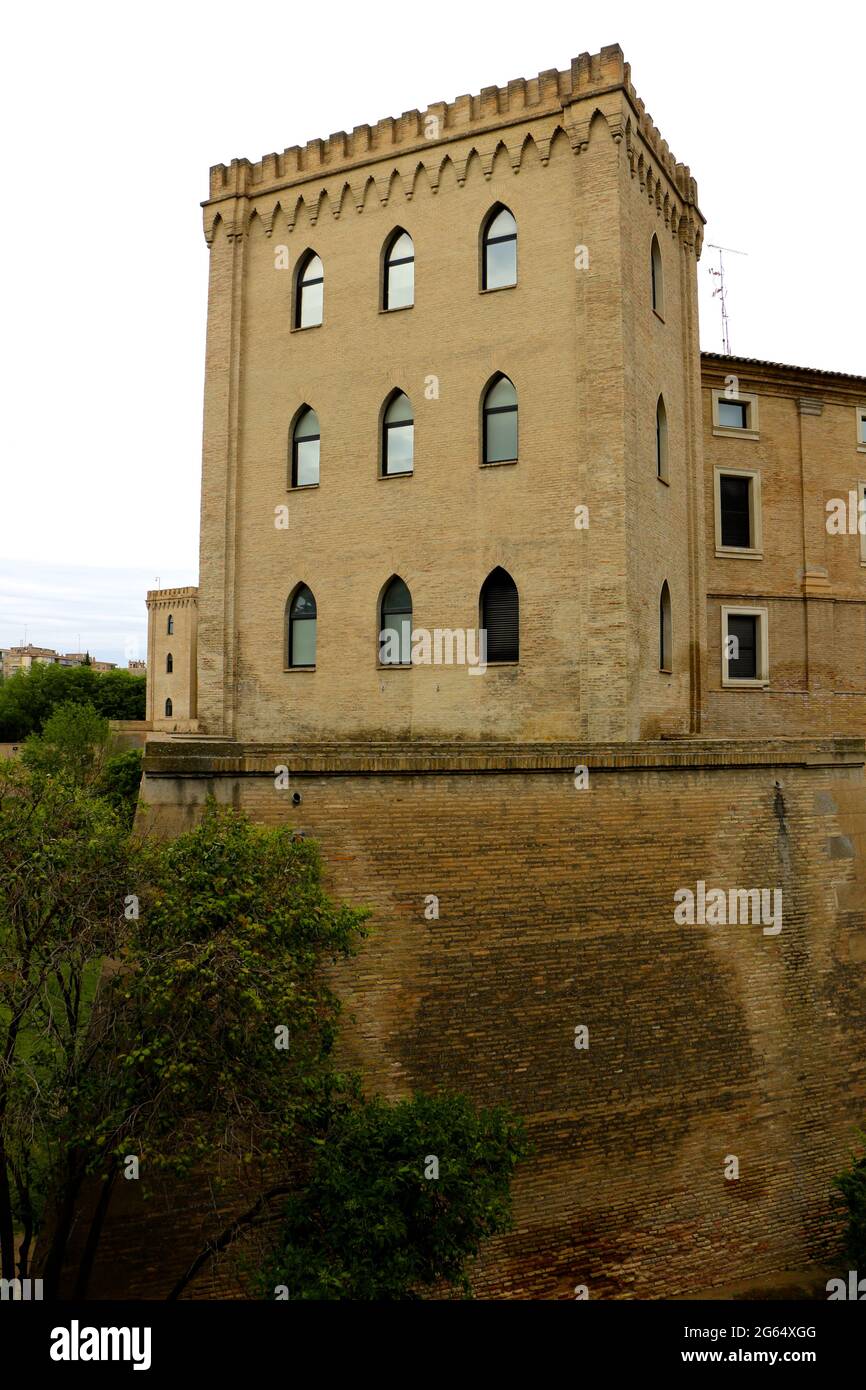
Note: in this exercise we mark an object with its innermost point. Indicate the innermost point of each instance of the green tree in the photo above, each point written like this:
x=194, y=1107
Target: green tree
x=143, y=991
x=170, y=1001
x=64, y=870
x=399, y=1199
x=850, y=1197
x=120, y=781
x=74, y=744
x=28, y=698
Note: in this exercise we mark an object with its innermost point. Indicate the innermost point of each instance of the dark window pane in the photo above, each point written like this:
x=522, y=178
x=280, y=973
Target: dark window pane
x=743, y=661
x=303, y=604
x=397, y=598
x=500, y=616
x=734, y=499
x=665, y=629
x=656, y=261
x=733, y=415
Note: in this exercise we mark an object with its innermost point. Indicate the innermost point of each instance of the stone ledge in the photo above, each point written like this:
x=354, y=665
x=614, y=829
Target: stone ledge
x=167, y=756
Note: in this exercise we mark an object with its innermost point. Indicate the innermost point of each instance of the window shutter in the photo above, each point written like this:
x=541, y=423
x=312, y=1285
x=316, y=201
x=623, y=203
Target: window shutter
x=502, y=620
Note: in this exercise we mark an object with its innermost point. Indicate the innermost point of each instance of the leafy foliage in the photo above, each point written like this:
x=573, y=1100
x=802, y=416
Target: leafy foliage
x=73, y=744
x=371, y=1224
x=144, y=991
x=851, y=1187
x=64, y=870
x=119, y=782
x=27, y=698
x=234, y=928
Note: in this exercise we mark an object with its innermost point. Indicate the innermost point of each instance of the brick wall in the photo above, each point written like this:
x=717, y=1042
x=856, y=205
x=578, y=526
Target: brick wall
x=556, y=909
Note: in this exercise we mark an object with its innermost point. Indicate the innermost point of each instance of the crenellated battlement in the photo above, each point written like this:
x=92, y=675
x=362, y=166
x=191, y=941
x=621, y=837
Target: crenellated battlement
x=551, y=93
x=187, y=594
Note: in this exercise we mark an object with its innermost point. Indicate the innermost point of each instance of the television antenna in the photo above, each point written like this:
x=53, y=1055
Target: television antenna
x=721, y=290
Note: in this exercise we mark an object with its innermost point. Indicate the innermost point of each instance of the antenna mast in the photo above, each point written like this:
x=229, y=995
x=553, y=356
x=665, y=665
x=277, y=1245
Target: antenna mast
x=721, y=291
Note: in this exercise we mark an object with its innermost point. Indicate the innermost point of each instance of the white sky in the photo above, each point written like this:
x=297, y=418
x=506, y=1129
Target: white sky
x=110, y=116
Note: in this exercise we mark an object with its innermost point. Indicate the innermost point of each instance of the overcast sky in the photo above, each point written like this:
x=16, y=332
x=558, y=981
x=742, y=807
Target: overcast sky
x=111, y=115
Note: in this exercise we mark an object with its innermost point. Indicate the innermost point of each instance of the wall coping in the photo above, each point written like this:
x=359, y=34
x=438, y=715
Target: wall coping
x=212, y=756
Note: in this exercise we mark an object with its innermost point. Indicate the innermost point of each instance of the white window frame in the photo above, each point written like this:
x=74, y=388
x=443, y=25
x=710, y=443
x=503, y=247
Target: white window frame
x=861, y=429
x=756, y=550
x=747, y=398
x=861, y=498
x=762, y=681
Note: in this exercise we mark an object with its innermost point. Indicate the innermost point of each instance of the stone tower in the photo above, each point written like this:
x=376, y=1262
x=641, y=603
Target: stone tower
x=586, y=523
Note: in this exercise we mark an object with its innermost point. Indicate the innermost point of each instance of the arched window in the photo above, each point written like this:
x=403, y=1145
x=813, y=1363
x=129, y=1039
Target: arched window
x=169, y=664
x=398, y=436
x=399, y=289
x=301, y=623
x=499, y=250
x=665, y=628
x=170, y=625
x=168, y=709
x=658, y=282
x=309, y=291
x=305, y=448
x=500, y=616
x=395, y=625
x=661, y=440
x=500, y=421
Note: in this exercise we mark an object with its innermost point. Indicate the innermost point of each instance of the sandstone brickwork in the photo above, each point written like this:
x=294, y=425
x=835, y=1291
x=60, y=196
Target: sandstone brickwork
x=555, y=900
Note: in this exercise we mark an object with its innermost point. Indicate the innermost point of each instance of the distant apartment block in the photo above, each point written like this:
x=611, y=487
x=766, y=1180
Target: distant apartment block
x=14, y=659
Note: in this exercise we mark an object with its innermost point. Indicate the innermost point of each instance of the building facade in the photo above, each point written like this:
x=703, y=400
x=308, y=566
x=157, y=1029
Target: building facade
x=453, y=383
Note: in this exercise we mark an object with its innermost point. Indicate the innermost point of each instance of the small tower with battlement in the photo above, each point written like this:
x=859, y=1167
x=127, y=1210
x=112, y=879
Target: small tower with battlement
x=172, y=657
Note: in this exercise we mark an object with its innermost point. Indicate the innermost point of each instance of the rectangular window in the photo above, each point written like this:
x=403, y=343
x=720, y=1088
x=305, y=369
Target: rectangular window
x=738, y=512
x=861, y=427
x=735, y=413
x=734, y=494
x=744, y=647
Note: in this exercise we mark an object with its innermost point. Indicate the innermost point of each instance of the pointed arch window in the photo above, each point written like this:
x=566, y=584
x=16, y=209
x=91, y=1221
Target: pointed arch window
x=399, y=290
x=168, y=709
x=661, y=440
x=500, y=616
x=658, y=281
x=301, y=627
x=398, y=436
x=305, y=448
x=499, y=414
x=395, y=625
x=499, y=250
x=169, y=664
x=310, y=291
x=170, y=625
x=665, y=650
